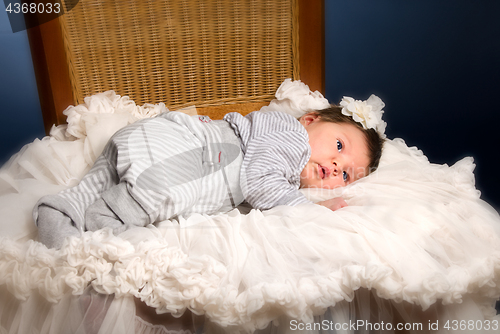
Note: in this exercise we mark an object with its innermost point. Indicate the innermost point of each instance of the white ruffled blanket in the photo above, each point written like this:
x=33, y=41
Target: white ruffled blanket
x=413, y=231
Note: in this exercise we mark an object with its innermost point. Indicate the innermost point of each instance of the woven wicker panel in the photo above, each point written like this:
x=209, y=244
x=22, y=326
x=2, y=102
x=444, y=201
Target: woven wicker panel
x=182, y=52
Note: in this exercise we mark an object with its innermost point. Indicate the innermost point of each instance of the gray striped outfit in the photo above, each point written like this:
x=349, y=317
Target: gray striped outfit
x=175, y=164
x=276, y=150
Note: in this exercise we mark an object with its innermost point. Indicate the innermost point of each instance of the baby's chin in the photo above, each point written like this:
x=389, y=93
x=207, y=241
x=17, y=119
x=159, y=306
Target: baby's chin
x=319, y=186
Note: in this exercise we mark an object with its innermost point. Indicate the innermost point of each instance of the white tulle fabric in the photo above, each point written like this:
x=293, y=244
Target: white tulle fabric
x=415, y=234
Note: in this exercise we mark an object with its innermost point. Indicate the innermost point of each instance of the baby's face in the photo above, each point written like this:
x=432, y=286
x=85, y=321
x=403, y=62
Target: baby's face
x=339, y=154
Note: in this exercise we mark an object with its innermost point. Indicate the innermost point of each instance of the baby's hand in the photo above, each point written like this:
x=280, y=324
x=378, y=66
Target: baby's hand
x=334, y=203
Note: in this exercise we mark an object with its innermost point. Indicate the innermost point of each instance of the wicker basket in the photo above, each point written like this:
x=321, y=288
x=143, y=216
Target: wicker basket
x=220, y=55
x=182, y=52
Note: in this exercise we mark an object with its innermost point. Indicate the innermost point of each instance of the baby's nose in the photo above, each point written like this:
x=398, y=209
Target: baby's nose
x=336, y=166
x=334, y=169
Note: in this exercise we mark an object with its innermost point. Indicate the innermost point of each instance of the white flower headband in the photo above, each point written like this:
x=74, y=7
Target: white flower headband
x=368, y=113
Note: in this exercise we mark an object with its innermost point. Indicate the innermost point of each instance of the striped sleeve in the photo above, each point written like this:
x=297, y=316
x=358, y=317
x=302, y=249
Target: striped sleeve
x=276, y=150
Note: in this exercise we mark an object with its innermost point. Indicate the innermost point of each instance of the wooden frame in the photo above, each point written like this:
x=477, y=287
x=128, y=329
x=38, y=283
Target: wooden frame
x=53, y=80
x=53, y=83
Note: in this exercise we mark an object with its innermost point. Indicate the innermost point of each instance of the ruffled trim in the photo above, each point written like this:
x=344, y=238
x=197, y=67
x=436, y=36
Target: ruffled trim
x=107, y=103
x=166, y=278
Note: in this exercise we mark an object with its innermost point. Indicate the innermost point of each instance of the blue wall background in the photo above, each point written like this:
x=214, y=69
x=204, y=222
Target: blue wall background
x=20, y=114
x=435, y=63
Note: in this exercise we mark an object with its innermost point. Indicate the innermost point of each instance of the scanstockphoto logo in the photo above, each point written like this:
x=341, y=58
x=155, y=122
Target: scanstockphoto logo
x=28, y=14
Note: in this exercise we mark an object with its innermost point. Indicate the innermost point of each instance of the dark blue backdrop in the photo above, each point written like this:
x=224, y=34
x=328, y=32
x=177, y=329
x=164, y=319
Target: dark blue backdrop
x=434, y=62
x=436, y=65
x=20, y=113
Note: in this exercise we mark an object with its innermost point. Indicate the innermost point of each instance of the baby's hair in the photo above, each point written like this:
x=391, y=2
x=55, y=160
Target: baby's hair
x=373, y=140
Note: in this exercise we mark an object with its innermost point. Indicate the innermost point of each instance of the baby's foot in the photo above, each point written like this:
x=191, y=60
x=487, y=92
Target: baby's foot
x=99, y=216
x=54, y=226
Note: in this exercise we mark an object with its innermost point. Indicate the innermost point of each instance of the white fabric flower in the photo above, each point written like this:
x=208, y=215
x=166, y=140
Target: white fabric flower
x=295, y=98
x=368, y=113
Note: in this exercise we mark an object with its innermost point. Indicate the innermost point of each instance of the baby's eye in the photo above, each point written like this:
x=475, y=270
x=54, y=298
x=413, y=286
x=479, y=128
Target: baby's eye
x=345, y=176
x=339, y=145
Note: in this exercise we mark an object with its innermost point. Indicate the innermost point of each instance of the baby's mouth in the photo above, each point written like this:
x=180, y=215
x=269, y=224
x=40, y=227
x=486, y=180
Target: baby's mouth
x=323, y=171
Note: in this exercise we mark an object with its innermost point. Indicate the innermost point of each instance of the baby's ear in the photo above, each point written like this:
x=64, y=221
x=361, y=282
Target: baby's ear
x=309, y=118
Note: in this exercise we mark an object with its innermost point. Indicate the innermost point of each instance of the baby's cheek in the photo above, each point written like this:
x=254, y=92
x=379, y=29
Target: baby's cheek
x=303, y=178
x=306, y=177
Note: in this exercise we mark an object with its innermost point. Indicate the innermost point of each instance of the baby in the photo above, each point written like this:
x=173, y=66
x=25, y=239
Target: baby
x=175, y=164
